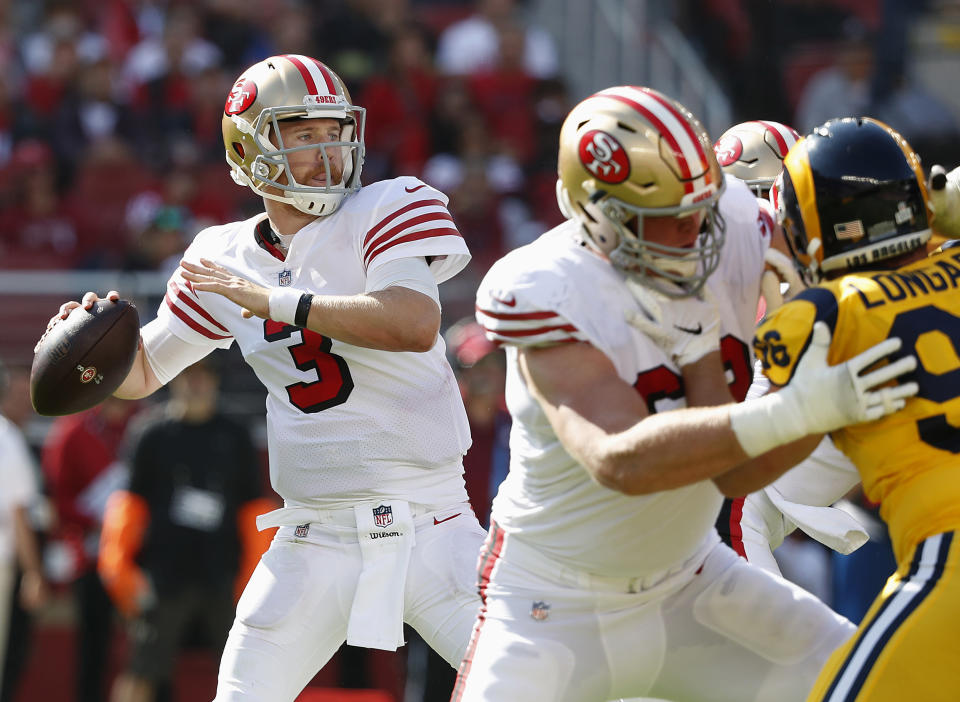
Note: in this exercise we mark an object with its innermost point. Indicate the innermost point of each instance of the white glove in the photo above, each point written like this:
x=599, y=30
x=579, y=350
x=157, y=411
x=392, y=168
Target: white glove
x=823, y=398
x=944, y=194
x=686, y=328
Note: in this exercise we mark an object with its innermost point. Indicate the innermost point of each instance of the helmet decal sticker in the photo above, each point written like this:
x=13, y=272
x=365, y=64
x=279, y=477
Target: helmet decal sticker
x=241, y=97
x=729, y=149
x=604, y=156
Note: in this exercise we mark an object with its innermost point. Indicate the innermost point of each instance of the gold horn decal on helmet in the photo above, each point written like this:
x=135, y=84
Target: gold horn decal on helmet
x=797, y=164
x=913, y=160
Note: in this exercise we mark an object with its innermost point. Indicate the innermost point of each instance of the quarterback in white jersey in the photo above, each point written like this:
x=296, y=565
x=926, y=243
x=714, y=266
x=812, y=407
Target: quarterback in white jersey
x=602, y=575
x=332, y=297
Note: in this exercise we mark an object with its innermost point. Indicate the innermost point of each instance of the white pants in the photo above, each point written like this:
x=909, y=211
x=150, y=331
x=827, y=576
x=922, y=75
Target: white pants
x=726, y=632
x=293, y=614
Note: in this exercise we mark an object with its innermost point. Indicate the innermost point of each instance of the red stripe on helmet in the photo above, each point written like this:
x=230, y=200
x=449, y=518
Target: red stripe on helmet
x=701, y=152
x=327, y=77
x=781, y=142
x=667, y=135
x=304, y=73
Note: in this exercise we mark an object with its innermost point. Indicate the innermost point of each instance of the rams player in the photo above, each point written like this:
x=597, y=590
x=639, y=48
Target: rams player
x=855, y=211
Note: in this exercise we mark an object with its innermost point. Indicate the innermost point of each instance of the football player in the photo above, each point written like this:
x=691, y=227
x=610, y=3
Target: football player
x=331, y=295
x=757, y=524
x=855, y=211
x=602, y=575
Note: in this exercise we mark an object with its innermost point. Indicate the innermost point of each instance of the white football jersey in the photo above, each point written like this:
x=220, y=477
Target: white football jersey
x=343, y=422
x=557, y=290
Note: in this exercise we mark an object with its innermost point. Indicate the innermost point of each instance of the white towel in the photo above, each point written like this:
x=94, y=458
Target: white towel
x=830, y=526
x=386, y=534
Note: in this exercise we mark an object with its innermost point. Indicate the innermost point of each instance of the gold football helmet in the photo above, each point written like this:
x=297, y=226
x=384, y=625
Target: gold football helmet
x=853, y=194
x=754, y=152
x=627, y=153
x=290, y=87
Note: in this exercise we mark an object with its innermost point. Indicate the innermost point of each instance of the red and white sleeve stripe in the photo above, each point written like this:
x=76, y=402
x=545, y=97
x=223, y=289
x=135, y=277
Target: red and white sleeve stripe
x=526, y=328
x=182, y=301
x=423, y=226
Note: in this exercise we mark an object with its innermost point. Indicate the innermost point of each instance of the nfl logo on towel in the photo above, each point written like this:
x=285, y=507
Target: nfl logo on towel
x=383, y=516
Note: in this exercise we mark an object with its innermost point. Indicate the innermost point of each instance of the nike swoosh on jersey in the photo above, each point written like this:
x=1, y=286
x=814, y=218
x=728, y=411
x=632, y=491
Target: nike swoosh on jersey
x=414, y=189
x=509, y=302
x=697, y=330
x=445, y=519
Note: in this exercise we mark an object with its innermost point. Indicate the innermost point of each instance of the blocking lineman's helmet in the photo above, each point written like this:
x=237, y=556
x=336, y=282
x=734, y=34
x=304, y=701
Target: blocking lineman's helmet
x=754, y=152
x=627, y=153
x=853, y=194
x=290, y=87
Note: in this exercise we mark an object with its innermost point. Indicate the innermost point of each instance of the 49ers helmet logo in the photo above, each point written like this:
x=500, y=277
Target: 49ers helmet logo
x=728, y=150
x=604, y=157
x=242, y=95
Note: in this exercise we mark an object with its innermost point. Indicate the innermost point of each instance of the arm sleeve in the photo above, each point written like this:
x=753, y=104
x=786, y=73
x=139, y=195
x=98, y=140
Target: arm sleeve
x=124, y=525
x=167, y=353
x=183, y=312
x=412, y=273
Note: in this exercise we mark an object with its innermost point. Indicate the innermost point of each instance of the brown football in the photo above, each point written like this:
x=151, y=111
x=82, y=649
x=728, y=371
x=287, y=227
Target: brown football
x=84, y=358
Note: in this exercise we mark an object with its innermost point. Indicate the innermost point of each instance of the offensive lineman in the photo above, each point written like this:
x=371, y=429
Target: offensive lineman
x=602, y=575
x=332, y=297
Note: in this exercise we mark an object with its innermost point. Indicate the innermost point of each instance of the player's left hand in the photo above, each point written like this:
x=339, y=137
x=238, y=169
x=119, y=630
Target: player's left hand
x=211, y=277
x=830, y=397
x=686, y=328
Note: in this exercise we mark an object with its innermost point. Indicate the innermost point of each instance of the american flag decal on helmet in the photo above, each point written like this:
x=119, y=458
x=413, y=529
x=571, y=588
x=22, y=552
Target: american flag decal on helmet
x=849, y=231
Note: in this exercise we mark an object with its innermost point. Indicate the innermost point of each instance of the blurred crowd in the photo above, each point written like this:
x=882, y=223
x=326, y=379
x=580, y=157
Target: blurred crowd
x=110, y=145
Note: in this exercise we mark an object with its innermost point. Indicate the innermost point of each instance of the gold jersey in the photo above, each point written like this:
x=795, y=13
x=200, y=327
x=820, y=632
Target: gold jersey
x=909, y=462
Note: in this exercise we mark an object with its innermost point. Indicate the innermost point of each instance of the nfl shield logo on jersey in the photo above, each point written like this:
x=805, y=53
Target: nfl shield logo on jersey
x=540, y=611
x=286, y=277
x=383, y=515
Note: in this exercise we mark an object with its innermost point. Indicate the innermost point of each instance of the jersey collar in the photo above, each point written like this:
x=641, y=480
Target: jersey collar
x=267, y=239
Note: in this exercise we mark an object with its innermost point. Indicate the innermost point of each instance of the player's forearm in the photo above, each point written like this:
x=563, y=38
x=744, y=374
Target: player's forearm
x=395, y=319
x=140, y=381
x=665, y=451
x=758, y=472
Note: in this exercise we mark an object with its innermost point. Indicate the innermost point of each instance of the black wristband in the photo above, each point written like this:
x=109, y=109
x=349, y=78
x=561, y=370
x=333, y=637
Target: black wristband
x=303, y=310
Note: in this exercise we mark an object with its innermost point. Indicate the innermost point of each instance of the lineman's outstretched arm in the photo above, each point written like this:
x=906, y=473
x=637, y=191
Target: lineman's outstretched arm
x=603, y=422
